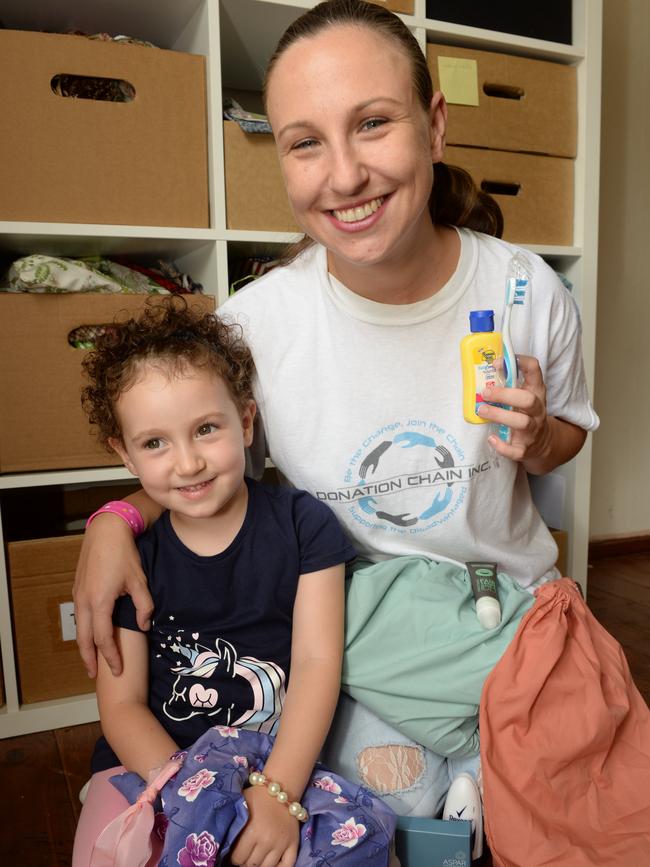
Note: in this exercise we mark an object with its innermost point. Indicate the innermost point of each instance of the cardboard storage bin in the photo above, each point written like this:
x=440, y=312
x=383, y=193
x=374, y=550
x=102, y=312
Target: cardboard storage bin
x=72, y=160
x=421, y=842
x=41, y=574
x=520, y=104
x=535, y=193
x=42, y=425
x=405, y=6
x=255, y=193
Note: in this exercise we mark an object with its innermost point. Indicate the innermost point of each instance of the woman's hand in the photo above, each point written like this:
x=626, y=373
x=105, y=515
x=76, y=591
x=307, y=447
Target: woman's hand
x=109, y=566
x=271, y=835
x=539, y=441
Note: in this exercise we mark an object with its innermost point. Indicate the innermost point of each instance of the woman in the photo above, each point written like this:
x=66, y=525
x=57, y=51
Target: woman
x=356, y=342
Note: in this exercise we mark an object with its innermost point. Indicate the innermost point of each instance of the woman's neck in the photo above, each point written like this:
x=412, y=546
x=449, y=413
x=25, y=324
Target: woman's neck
x=405, y=278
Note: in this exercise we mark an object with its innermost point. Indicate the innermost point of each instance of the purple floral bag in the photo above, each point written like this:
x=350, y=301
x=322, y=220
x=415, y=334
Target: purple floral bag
x=203, y=809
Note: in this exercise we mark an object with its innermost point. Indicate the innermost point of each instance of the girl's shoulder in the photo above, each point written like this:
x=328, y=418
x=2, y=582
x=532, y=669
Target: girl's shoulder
x=310, y=520
x=289, y=501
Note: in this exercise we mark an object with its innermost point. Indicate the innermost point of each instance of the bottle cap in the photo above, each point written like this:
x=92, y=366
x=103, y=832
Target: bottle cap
x=488, y=612
x=481, y=320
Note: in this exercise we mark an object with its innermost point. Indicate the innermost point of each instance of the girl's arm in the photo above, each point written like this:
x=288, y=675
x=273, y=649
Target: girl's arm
x=316, y=657
x=109, y=565
x=133, y=732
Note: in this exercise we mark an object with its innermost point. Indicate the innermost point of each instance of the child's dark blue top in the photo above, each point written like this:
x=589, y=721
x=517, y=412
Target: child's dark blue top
x=220, y=641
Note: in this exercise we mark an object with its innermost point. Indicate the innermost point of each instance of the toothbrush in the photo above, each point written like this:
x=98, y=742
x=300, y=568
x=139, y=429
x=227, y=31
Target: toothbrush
x=517, y=282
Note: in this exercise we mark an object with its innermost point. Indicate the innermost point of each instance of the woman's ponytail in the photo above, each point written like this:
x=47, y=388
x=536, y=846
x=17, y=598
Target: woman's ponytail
x=457, y=201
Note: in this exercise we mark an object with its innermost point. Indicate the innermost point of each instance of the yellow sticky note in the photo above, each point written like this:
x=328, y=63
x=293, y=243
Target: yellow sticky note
x=458, y=80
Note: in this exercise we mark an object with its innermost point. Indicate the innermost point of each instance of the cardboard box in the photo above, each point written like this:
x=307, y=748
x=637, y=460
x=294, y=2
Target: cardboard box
x=561, y=538
x=71, y=160
x=522, y=104
x=423, y=842
x=41, y=574
x=404, y=6
x=535, y=193
x=255, y=194
x=42, y=425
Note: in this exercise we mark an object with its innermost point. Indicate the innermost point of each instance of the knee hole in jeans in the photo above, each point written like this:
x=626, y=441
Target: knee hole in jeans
x=391, y=768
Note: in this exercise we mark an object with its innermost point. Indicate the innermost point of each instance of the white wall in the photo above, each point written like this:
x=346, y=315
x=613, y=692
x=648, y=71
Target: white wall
x=620, y=490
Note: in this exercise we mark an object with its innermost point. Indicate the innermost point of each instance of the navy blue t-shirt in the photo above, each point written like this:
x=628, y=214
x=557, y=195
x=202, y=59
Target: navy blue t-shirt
x=220, y=640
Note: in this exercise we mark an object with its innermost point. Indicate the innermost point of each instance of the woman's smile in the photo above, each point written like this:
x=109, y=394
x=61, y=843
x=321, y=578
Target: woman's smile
x=359, y=217
x=357, y=213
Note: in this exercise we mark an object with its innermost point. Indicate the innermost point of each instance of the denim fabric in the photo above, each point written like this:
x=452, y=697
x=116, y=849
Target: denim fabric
x=355, y=728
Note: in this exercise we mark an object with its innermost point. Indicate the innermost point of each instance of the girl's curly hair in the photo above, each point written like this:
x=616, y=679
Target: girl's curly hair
x=169, y=333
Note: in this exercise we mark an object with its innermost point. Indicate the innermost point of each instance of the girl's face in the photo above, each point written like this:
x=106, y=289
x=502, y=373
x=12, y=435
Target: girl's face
x=184, y=438
x=355, y=144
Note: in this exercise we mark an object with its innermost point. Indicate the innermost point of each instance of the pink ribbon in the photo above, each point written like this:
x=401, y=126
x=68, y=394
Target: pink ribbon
x=126, y=841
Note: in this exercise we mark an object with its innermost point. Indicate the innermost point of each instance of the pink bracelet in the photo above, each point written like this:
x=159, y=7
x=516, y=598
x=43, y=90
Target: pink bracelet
x=125, y=511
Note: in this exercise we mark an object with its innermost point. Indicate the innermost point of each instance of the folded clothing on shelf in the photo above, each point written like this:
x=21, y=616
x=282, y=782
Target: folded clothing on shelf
x=244, y=271
x=247, y=120
x=41, y=273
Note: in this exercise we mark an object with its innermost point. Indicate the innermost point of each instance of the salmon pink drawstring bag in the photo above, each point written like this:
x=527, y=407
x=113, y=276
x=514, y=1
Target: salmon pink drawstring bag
x=565, y=744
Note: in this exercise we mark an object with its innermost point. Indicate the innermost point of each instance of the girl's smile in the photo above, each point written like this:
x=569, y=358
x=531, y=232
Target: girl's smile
x=195, y=492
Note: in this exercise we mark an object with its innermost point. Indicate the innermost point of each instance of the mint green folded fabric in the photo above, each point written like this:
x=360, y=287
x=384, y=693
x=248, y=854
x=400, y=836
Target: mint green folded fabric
x=415, y=653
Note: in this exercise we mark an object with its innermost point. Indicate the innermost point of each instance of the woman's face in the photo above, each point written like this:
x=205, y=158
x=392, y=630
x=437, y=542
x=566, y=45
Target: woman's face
x=355, y=144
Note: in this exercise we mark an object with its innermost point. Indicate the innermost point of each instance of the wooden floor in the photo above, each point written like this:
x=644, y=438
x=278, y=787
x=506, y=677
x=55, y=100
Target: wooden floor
x=43, y=773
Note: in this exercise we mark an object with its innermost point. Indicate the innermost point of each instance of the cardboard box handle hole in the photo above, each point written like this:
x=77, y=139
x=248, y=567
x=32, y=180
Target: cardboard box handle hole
x=500, y=188
x=503, y=91
x=92, y=87
x=84, y=336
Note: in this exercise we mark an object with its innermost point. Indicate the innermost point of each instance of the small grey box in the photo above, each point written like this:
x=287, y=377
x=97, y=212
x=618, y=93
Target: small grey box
x=421, y=842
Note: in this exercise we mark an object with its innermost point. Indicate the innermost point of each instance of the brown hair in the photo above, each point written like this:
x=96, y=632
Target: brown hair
x=455, y=199
x=173, y=335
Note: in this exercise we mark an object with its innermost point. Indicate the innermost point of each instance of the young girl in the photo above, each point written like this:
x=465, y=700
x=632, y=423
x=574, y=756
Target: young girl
x=247, y=582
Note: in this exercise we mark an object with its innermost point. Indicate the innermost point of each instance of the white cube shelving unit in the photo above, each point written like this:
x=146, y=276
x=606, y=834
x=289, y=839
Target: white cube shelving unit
x=237, y=37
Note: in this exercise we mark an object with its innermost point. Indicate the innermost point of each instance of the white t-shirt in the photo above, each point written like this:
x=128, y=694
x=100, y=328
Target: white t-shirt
x=362, y=405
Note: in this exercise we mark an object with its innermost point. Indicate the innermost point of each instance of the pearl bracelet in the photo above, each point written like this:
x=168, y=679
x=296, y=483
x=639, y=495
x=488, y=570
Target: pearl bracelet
x=255, y=778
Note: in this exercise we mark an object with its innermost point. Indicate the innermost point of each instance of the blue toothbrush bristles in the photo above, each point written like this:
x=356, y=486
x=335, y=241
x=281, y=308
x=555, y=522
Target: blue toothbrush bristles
x=516, y=289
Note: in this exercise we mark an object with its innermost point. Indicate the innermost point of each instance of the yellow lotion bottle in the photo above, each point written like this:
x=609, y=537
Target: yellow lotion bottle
x=478, y=353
